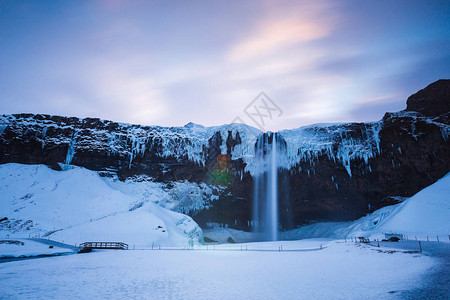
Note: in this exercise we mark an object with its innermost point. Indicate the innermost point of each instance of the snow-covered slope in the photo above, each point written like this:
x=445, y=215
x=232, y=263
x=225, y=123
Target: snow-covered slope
x=180, y=196
x=78, y=205
x=28, y=248
x=427, y=213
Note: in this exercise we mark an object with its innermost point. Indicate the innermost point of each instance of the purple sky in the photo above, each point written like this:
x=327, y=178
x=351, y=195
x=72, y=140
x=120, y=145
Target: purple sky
x=172, y=62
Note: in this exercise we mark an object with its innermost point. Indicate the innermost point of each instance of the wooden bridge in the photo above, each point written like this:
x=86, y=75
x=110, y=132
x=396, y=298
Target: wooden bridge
x=104, y=245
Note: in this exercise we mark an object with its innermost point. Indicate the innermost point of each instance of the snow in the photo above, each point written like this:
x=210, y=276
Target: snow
x=28, y=248
x=78, y=205
x=339, y=271
x=180, y=196
x=221, y=235
x=426, y=214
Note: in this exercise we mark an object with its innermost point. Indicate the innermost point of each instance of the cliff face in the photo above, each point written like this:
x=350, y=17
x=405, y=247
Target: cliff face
x=329, y=172
x=432, y=101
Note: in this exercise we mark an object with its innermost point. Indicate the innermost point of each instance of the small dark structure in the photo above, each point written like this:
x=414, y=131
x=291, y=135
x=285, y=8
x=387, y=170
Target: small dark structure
x=104, y=245
x=85, y=250
x=363, y=240
x=391, y=239
x=399, y=236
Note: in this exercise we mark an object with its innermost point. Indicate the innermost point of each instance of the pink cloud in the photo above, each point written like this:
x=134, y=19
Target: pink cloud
x=276, y=34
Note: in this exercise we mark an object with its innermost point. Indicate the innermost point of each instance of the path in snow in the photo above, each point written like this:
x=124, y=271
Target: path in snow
x=55, y=244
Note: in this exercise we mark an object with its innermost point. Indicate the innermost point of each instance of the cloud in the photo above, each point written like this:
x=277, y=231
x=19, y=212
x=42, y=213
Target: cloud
x=273, y=35
x=127, y=95
x=168, y=64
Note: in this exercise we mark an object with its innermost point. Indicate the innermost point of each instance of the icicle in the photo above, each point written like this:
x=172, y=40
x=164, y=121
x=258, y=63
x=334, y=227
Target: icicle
x=2, y=128
x=70, y=152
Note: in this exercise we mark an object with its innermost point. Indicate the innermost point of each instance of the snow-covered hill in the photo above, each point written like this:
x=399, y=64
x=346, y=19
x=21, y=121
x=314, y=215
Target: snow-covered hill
x=78, y=205
x=427, y=213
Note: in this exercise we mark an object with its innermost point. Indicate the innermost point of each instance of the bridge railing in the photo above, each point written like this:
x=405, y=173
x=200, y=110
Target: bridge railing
x=104, y=245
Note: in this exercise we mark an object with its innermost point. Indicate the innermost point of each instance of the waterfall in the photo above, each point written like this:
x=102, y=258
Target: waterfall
x=269, y=151
x=272, y=194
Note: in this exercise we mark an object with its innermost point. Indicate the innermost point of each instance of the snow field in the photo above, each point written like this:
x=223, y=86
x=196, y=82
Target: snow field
x=340, y=271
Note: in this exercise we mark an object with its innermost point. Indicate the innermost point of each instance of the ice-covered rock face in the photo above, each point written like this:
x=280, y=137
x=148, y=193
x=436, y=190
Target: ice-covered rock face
x=189, y=142
x=341, y=143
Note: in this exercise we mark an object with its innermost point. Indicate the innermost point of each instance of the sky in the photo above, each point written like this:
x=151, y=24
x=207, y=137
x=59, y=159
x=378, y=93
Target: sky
x=169, y=63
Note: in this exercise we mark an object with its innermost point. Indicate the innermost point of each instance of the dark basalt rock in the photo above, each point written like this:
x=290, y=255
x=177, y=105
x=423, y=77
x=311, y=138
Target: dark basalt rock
x=432, y=101
x=413, y=152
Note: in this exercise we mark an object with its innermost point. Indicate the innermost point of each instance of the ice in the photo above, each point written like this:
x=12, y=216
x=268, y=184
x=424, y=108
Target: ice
x=189, y=142
x=2, y=128
x=308, y=143
x=70, y=150
x=340, y=142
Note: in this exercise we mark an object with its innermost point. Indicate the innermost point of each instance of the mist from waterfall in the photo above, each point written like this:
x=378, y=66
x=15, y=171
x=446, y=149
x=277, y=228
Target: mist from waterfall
x=269, y=150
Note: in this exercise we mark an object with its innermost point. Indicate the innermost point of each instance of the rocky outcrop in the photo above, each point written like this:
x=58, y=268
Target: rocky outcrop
x=329, y=172
x=432, y=101
x=413, y=153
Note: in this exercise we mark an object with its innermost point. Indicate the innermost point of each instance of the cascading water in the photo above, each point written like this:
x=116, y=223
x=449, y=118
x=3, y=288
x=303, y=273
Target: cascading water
x=272, y=194
x=269, y=151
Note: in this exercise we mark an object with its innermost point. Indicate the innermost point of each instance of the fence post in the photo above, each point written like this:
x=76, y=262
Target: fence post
x=420, y=247
x=378, y=243
x=427, y=239
x=437, y=238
